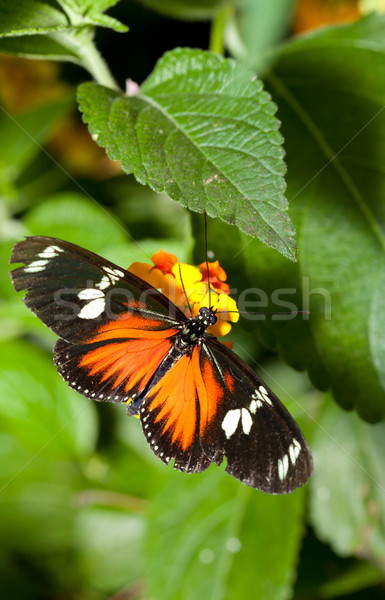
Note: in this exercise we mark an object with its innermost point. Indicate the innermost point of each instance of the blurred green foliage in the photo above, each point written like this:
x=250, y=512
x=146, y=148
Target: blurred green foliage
x=86, y=511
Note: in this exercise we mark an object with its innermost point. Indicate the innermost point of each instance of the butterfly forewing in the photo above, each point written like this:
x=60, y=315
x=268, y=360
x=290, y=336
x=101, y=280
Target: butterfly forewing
x=115, y=328
x=74, y=291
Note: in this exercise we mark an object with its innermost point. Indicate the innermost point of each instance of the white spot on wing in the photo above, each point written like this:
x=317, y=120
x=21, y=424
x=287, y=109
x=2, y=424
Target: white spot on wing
x=103, y=283
x=36, y=266
x=93, y=309
x=294, y=451
x=247, y=421
x=90, y=294
x=283, y=467
x=50, y=252
x=114, y=274
x=265, y=395
x=230, y=422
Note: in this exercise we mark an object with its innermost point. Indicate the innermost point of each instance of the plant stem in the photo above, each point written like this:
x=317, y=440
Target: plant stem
x=95, y=64
x=217, y=30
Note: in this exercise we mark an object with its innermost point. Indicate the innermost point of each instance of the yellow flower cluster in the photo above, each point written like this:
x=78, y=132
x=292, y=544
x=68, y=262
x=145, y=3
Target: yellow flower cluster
x=180, y=281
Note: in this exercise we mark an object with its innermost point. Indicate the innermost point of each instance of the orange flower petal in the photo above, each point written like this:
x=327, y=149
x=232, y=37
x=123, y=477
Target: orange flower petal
x=164, y=261
x=217, y=276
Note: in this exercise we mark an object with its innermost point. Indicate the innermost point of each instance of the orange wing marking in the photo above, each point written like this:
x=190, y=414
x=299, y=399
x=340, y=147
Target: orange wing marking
x=210, y=392
x=175, y=393
x=132, y=327
x=134, y=361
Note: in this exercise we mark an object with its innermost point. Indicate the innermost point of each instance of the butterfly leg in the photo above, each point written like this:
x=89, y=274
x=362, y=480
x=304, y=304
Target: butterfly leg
x=133, y=405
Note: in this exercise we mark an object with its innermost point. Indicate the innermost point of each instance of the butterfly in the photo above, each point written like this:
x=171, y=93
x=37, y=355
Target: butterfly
x=122, y=340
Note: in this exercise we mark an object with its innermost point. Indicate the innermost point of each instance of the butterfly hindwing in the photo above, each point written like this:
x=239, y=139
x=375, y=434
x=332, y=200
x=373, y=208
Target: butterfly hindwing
x=113, y=369
x=170, y=416
x=263, y=445
x=73, y=291
x=211, y=404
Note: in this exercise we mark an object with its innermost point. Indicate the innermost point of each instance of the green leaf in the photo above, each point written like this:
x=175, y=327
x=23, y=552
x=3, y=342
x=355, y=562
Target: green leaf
x=76, y=219
x=257, y=27
x=31, y=17
x=39, y=409
x=105, y=538
x=38, y=29
x=347, y=492
x=209, y=536
x=96, y=102
x=37, y=46
x=186, y=9
x=22, y=135
x=336, y=186
x=91, y=12
x=203, y=130
x=28, y=17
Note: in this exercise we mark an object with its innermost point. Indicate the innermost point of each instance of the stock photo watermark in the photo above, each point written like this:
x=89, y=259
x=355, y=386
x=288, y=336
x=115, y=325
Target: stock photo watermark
x=254, y=304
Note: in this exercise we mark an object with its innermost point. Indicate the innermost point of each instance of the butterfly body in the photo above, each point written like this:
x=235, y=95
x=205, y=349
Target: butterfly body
x=183, y=344
x=121, y=340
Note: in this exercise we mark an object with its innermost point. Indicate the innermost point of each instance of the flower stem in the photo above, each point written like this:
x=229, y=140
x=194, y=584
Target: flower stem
x=96, y=65
x=217, y=30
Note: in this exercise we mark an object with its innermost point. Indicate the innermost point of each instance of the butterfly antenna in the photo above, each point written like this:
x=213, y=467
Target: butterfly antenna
x=184, y=290
x=244, y=312
x=206, y=261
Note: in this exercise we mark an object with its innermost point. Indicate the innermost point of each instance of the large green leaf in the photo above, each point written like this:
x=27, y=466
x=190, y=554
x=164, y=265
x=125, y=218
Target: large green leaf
x=330, y=88
x=210, y=537
x=203, y=130
x=337, y=185
x=348, y=485
x=109, y=545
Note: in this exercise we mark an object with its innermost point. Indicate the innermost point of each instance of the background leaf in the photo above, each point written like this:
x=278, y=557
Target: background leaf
x=24, y=133
x=348, y=489
x=28, y=17
x=255, y=28
x=40, y=407
x=205, y=540
x=335, y=183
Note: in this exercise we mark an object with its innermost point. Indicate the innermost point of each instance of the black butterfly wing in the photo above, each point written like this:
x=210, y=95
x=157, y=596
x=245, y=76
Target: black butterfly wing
x=262, y=443
x=73, y=290
x=116, y=329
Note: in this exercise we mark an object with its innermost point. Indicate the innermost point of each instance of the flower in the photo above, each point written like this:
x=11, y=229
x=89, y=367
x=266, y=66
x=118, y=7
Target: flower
x=188, y=287
x=216, y=274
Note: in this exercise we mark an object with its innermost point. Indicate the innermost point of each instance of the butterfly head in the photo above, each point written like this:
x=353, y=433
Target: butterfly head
x=206, y=316
x=195, y=327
